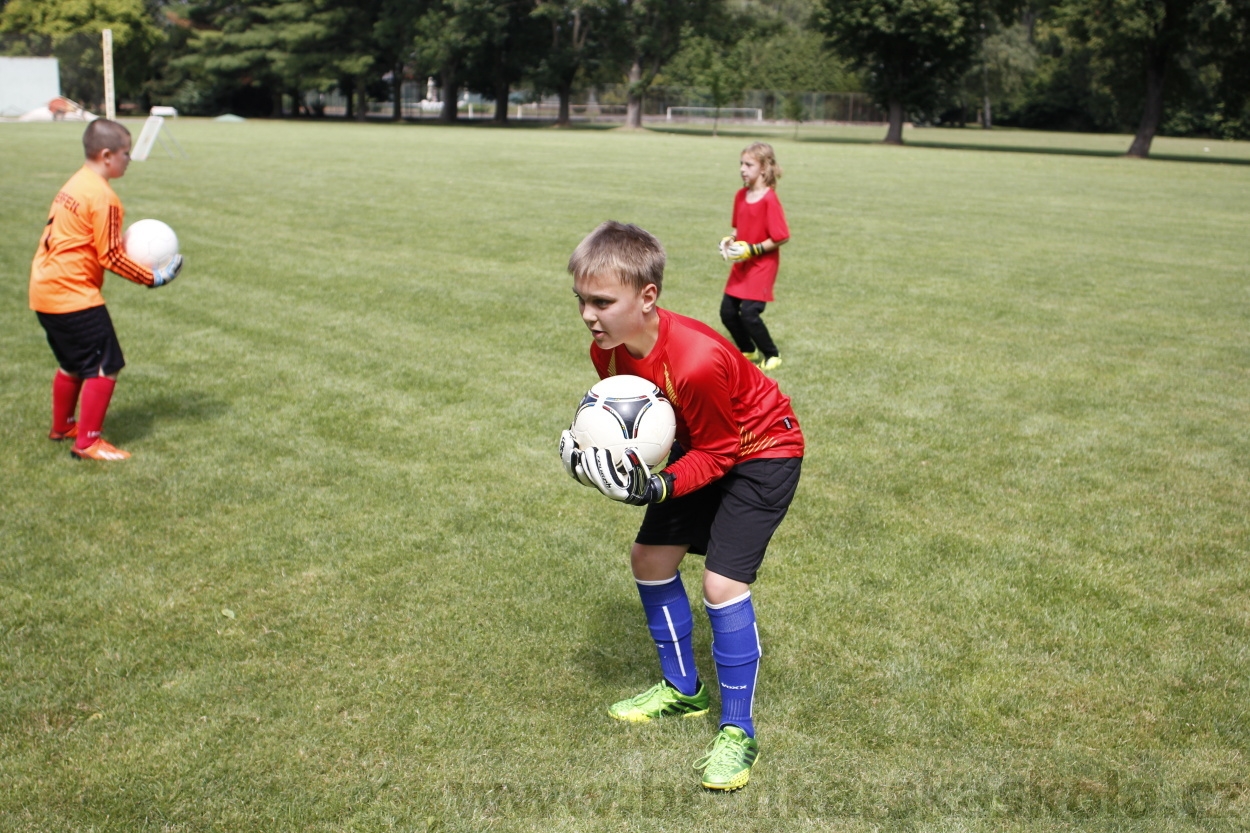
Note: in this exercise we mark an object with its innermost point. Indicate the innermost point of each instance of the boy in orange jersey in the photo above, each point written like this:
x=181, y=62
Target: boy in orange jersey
x=82, y=238
x=728, y=484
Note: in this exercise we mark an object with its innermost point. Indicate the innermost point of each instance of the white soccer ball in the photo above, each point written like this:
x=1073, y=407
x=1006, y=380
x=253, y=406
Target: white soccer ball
x=150, y=243
x=626, y=412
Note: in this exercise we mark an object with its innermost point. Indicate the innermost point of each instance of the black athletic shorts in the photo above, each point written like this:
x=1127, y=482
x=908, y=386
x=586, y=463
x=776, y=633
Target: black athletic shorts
x=730, y=520
x=84, y=342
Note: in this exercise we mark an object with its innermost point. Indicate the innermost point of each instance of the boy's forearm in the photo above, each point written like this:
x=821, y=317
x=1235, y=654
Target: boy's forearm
x=119, y=264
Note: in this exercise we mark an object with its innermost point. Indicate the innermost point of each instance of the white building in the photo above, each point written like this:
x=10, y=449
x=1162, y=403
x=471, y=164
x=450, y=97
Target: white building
x=27, y=84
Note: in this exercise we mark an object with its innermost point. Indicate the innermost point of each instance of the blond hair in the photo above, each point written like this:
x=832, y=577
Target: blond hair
x=634, y=256
x=762, y=152
x=102, y=135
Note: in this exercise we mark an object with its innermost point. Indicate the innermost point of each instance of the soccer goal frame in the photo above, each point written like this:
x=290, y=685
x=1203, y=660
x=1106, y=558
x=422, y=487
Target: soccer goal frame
x=750, y=113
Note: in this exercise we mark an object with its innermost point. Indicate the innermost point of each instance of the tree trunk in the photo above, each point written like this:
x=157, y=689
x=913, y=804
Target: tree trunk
x=362, y=104
x=1029, y=18
x=633, y=106
x=987, y=113
x=501, y=104
x=1153, y=112
x=894, y=134
x=503, y=86
x=397, y=91
x=451, y=92
x=565, y=92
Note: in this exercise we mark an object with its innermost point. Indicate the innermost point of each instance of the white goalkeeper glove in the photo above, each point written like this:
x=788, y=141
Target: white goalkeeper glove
x=637, y=486
x=725, y=243
x=573, y=458
x=740, y=250
x=168, y=272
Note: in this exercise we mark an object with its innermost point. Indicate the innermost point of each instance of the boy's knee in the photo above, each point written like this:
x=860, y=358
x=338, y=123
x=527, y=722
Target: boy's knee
x=651, y=562
x=719, y=589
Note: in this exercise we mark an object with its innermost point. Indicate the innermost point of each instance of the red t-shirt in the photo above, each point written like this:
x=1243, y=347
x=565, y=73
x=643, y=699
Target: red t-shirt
x=755, y=222
x=727, y=410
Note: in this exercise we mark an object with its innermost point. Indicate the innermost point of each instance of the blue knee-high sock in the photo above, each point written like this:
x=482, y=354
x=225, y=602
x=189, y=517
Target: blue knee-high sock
x=736, y=649
x=668, y=617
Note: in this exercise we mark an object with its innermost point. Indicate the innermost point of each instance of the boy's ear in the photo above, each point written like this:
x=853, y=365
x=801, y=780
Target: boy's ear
x=650, y=294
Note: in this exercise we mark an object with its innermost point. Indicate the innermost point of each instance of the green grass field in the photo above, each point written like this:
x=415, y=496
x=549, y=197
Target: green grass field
x=344, y=584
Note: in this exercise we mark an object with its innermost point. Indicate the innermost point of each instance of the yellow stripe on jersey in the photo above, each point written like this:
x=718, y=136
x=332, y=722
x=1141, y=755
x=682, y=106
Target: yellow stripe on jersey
x=749, y=444
x=670, y=390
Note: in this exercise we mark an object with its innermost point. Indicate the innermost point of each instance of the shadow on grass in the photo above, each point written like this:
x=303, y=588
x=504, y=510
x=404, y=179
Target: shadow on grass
x=134, y=420
x=615, y=649
x=1106, y=154
x=940, y=145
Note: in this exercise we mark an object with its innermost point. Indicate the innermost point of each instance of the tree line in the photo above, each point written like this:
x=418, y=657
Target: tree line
x=1180, y=67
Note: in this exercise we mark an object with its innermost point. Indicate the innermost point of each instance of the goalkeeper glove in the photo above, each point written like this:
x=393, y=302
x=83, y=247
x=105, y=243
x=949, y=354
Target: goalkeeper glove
x=740, y=250
x=725, y=243
x=573, y=459
x=637, y=486
x=168, y=272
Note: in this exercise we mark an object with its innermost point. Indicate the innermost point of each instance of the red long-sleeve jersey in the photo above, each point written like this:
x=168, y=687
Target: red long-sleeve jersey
x=727, y=410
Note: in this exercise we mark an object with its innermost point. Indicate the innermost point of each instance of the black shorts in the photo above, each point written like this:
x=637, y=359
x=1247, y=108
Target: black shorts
x=84, y=342
x=730, y=520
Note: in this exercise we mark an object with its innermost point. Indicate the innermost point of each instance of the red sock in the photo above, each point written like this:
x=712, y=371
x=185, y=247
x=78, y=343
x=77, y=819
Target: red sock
x=96, y=393
x=64, y=401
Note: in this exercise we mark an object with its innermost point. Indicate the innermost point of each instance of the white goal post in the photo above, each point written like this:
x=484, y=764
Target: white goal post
x=752, y=113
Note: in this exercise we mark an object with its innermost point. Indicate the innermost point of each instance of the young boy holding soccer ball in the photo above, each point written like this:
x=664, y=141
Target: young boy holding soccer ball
x=759, y=230
x=728, y=484
x=82, y=238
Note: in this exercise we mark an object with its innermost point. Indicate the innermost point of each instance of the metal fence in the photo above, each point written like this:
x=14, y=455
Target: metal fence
x=608, y=104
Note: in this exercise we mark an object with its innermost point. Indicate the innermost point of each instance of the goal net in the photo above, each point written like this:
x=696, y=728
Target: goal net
x=710, y=113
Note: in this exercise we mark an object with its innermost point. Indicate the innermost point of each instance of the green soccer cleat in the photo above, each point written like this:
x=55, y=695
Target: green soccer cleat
x=771, y=363
x=753, y=357
x=661, y=700
x=727, y=764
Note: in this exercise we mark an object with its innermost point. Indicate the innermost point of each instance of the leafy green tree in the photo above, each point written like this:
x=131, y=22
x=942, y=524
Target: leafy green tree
x=229, y=58
x=1139, y=48
x=794, y=60
x=512, y=44
x=1006, y=60
x=71, y=30
x=763, y=47
x=710, y=66
x=1135, y=38
x=907, y=50
x=576, y=31
x=394, y=31
x=1223, y=67
x=248, y=52
x=450, y=36
x=650, y=35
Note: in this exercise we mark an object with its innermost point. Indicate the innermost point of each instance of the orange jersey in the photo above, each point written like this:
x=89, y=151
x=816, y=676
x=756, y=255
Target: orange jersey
x=82, y=238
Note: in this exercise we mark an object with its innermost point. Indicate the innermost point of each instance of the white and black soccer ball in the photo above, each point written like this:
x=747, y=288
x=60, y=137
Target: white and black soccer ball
x=623, y=412
x=150, y=243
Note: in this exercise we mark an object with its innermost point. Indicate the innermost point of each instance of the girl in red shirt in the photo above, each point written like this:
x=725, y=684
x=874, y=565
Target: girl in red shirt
x=759, y=229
